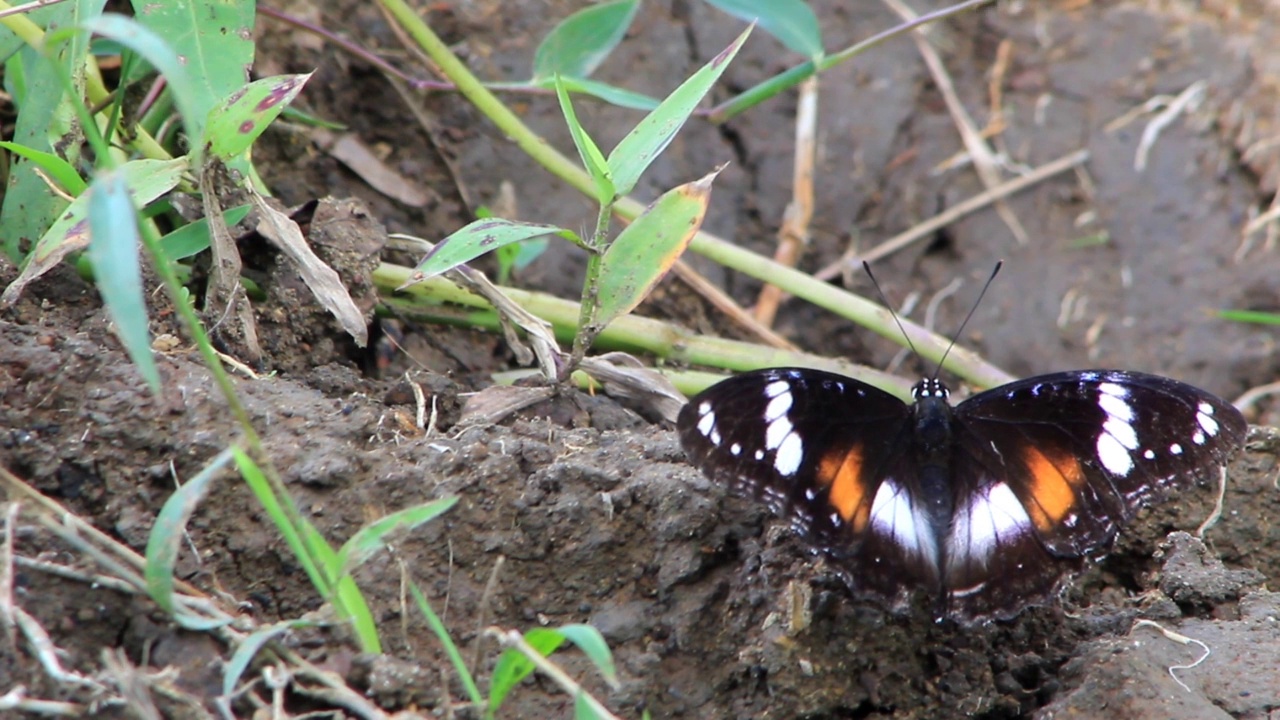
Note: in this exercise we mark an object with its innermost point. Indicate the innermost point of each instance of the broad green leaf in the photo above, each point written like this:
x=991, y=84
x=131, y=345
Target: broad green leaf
x=58, y=170
x=476, y=239
x=248, y=649
x=238, y=121
x=647, y=248
x=650, y=137
x=117, y=269
x=146, y=180
x=167, y=533
x=582, y=41
x=513, y=666
x=792, y=22
x=214, y=39
x=373, y=537
x=193, y=238
x=152, y=46
x=590, y=153
x=593, y=645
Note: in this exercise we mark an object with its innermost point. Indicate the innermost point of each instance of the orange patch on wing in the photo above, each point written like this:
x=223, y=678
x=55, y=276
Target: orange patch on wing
x=1053, y=487
x=841, y=472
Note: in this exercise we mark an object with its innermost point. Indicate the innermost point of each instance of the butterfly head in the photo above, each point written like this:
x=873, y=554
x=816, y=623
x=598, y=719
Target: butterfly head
x=930, y=388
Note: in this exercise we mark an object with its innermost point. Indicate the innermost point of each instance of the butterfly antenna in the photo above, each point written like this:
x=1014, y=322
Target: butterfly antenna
x=866, y=267
x=972, y=310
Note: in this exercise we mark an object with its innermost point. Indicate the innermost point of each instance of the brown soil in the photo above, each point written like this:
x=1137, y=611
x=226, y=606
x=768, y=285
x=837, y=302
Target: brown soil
x=596, y=514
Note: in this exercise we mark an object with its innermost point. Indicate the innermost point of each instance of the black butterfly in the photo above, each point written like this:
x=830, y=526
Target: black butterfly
x=989, y=504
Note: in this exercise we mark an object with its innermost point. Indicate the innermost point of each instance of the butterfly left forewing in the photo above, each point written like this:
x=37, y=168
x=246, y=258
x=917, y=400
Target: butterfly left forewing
x=829, y=453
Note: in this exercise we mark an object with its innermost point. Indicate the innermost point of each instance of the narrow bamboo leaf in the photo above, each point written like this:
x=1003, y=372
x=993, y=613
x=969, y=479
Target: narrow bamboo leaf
x=582, y=41
x=650, y=137
x=593, y=645
x=592, y=159
x=248, y=649
x=1258, y=317
x=792, y=22
x=114, y=253
x=609, y=93
x=373, y=537
x=476, y=239
x=167, y=534
x=193, y=238
x=59, y=170
x=647, y=248
x=236, y=122
x=513, y=666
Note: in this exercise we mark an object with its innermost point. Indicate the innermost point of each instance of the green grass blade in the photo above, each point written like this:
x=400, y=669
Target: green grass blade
x=167, y=534
x=476, y=239
x=593, y=645
x=1257, y=317
x=513, y=667
x=582, y=41
x=792, y=22
x=114, y=252
x=248, y=649
x=653, y=134
x=450, y=649
x=236, y=123
x=292, y=536
x=592, y=159
x=373, y=537
x=604, y=91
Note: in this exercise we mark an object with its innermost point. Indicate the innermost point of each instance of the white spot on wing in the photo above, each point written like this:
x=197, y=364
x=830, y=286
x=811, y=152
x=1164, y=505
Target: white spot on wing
x=777, y=431
x=1122, y=432
x=777, y=407
x=992, y=516
x=776, y=388
x=1176, y=449
x=1113, y=390
x=707, y=423
x=1115, y=407
x=735, y=449
x=1114, y=456
x=1204, y=416
x=1198, y=438
x=787, y=461
x=894, y=514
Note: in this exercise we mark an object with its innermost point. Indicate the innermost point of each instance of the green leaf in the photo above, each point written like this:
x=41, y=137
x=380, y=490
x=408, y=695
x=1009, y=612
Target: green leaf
x=476, y=239
x=373, y=537
x=450, y=647
x=214, y=38
x=650, y=137
x=167, y=533
x=238, y=121
x=592, y=644
x=193, y=238
x=146, y=180
x=513, y=667
x=647, y=248
x=590, y=153
x=582, y=41
x=1257, y=317
x=59, y=170
x=114, y=253
x=152, y=46
x=248, y=649
x=582, y=709
x=792, y=22
x=609, y=93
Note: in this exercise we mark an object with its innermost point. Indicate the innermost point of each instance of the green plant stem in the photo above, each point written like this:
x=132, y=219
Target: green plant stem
x=790, y=78
x=438, y=300
x=590, y=305
x=857, y=309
